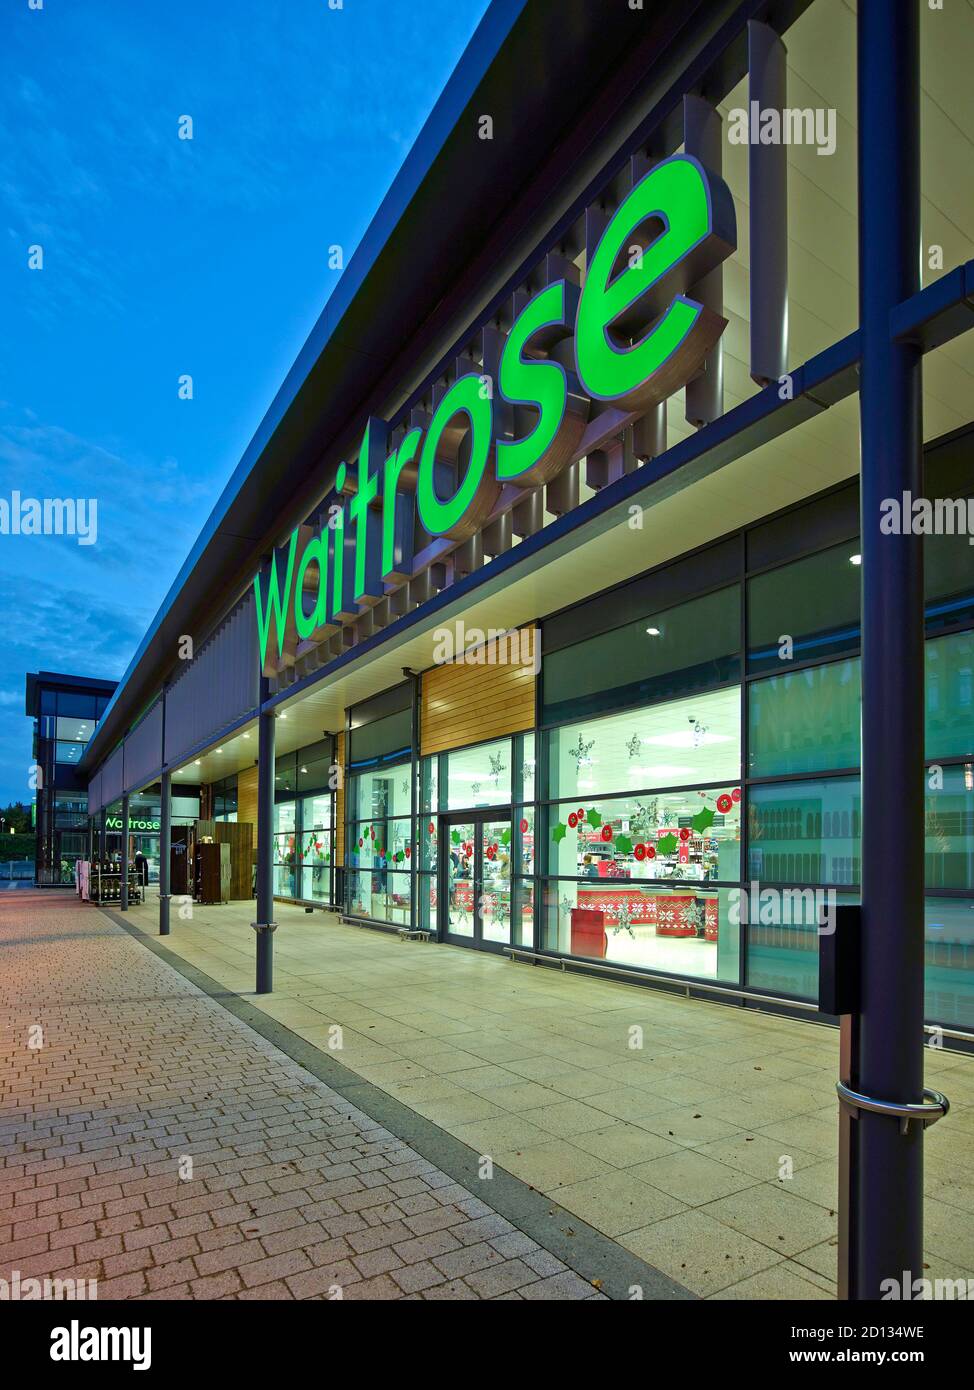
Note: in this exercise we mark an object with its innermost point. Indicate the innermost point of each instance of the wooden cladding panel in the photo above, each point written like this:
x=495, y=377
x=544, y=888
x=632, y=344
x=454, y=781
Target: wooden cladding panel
x=340, y=801
x=464, y=704
x=247, y=798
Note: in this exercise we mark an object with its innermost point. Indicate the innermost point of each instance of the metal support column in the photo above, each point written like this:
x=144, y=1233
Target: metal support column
x=882, y=1046
x=102, y=837
x=165, y=852
x=265, y=925
x=123, y=890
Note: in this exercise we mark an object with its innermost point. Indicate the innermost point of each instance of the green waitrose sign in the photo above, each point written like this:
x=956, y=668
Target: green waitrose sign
x=632, y=336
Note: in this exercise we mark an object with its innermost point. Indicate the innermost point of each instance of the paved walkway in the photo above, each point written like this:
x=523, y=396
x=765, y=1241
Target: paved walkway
x=154, y=1142
x=698, y=1138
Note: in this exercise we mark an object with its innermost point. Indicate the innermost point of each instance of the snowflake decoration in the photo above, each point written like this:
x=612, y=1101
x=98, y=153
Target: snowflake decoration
x=496, y=767
x=623, y=920
x=634, y=745
x=405, y=787
x=580, y=752
x=475, y=788
x=699, y=733
x=693, y=916
x=566, y=906
x=527, y=771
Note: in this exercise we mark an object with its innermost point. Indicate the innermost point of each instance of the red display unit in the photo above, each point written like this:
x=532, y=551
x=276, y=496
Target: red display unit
x=588, y=932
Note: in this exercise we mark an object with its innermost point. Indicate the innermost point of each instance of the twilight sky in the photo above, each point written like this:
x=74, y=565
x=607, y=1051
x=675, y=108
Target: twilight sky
x=164, y=257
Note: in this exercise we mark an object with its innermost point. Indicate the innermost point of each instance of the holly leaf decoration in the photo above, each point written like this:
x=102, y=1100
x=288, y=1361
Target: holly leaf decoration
x=702, y=819
x=505, y=836
x=398, y=856
x=593, y=817
x=559, y=832
x=455, y=836
x=623, y=844
x=667, y=844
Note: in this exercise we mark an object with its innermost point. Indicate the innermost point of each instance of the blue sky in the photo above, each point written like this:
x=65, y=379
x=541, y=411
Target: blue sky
x=163, y=257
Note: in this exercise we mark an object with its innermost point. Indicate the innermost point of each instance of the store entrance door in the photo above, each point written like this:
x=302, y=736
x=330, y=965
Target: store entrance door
x=475, y=878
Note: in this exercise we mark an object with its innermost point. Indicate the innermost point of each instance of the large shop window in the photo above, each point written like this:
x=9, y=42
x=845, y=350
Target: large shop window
x=691, y=647
x=805, y=832
x=378, y=845
x=647, y=877
x=805, y=721
x=949, y=680
x=809, y=609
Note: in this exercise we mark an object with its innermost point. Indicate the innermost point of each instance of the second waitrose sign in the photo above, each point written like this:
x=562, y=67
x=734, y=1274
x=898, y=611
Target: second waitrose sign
x=631, y=336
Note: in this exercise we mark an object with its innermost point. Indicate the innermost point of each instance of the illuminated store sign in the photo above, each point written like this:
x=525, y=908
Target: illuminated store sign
x=135, y=824
x=631, y=335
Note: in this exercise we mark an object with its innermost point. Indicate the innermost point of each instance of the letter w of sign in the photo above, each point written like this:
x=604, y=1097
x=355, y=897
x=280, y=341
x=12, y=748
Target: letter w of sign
x=277, y=605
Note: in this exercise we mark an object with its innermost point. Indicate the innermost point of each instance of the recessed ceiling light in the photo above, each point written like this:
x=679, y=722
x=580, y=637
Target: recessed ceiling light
x=304, y=769
x=218, y=750
x=198, y=763
x=246, y=736
x=282, y=716
x=855, y=559
x=652, y=631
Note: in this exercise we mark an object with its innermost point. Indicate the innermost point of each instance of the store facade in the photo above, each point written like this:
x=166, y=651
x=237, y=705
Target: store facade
x=623, y=429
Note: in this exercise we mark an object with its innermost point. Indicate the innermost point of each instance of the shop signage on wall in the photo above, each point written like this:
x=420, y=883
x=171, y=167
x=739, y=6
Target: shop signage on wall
x=631, y=335
x=136, y=825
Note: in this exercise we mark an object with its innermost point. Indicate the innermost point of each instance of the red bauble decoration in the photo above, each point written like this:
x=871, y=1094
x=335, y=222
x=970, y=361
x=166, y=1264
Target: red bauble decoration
x=580, y=813
x=490, y=851
x=371, y=834
x=685, y=833
x=724, y=803
x=606, y=832
x=408, y=851
x=650, y=851
x=361, y=843
x=736, y=794
x=572, y=819
x=524, y=827
x=640, y=851
x=432, y=828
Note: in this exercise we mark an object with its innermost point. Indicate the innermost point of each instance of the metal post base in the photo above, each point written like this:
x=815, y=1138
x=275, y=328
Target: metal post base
x=164, y=913
x=265, y=956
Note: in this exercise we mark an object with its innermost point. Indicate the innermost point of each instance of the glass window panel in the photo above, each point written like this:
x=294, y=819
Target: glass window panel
x=69, y=752
x=526, y=790
x=950, y=696
x=429, y=775
x=385, y=844
x=805, y=832
x=380, y=792
x=949, y=844
x=693, y=835
x=382, y=738
x=285, y=775
x=522, y=913
x=524, y=840
x=806, y=721
x=782, y=949
x=284, y=814
x=76, y=706
x=315, y=767
x=381, y=895
x=480, y=776
x=428, y=841
x=426, y=904
x=691, y=647
x=813, y=602
x=75, y=730
x=316, y=812
x=679, y=743
x=949, y=924
x=692, y=930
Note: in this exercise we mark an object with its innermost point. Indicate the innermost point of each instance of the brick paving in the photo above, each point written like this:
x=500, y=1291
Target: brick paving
x=290, y=1192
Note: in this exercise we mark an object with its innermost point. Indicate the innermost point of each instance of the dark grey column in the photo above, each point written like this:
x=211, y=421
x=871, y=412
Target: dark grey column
x=124, y=866
x=886, y=1158
x=767, y=168
x=91, y=838
x=102, y=834
x=265, y=925
x=165, y=847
